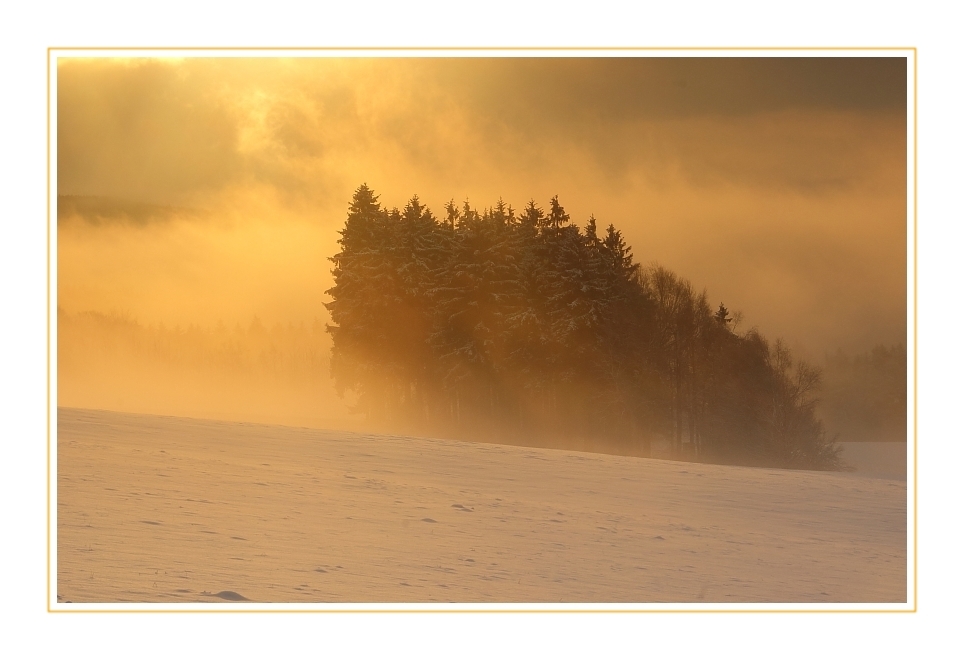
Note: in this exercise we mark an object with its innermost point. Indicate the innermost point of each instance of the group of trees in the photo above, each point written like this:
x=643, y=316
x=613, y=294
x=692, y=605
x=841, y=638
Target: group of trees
x=521, y=326
x=865, y=395
x=253, y=372
x=293, y=352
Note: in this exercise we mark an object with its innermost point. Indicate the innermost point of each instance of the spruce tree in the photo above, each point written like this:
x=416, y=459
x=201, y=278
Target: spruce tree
x=493, y=323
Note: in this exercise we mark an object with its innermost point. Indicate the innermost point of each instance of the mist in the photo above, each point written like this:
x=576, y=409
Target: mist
x=206, y=191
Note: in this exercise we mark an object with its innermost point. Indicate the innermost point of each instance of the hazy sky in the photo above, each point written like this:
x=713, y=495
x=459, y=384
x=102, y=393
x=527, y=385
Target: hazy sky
x=777, y=184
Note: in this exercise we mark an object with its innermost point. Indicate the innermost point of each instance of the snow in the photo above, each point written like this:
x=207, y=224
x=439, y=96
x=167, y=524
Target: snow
x=155, y=509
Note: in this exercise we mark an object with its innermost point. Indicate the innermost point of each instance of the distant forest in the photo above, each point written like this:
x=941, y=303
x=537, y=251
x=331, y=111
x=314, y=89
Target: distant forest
x=524, y=327
x=264, y=373
x=864, y=396
x=295, y=353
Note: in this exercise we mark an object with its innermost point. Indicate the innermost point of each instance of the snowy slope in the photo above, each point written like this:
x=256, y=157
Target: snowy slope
x=164, y=509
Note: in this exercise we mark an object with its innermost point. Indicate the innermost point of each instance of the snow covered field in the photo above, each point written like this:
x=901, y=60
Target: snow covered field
x=164, y=509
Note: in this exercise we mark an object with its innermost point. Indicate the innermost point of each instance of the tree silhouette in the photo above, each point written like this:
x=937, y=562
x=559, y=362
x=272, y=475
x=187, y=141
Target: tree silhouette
x=525, y=327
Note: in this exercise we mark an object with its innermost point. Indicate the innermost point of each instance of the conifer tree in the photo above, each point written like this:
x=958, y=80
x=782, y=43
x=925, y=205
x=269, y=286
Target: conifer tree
x=493, y=323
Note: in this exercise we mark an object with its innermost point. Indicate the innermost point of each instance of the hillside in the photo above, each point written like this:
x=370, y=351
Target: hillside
x=163, y=509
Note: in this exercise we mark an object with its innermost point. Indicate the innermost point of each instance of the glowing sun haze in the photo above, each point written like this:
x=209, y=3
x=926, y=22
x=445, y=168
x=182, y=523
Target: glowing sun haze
x=779, y=184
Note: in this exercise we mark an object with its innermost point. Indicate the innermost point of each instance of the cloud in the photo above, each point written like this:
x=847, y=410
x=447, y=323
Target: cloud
x=779, y=183
x=132, y=129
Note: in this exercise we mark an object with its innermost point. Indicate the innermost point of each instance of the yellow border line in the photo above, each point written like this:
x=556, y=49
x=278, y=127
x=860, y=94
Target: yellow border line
x=489, y=48
x=48, y=330
x=50, y=610
x=915, y=329
x=471, y=611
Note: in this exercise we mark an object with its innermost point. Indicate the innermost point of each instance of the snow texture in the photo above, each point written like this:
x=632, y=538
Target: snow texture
x=161, y=509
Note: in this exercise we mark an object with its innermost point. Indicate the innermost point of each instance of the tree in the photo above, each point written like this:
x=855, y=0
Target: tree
x=796, y=435
x=722, y=315
x=358, y=271
x=494, y=324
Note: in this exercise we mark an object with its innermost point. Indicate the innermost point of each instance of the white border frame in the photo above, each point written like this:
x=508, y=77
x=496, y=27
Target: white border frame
x=56, y=53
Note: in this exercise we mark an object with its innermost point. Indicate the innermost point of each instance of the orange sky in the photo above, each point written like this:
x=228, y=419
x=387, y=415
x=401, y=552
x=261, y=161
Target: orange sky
x=777, y=184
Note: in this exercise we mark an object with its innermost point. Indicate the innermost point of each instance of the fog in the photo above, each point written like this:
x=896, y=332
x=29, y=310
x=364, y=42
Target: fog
x=199, y=191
